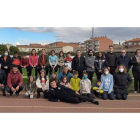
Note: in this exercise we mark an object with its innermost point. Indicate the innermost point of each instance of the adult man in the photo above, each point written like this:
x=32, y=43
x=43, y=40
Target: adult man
x=2, y=81
x=65, y=94
x=125, y=60
x=14, y=82
x=43, y=62
x=111, y=60
x=65, y=73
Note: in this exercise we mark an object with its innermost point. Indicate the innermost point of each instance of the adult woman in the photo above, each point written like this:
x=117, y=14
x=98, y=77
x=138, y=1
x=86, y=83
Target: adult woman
x=78, y=63
x=107, y=85
x=122, y=80
x=33, y=62
x=61, y=60
x=136, y=70
x=89, y=60
x=53, y=60
x=100, y=64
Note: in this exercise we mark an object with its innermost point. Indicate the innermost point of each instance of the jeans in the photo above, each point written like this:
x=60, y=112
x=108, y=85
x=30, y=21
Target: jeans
x=14, y=86
x=105, y=95
x=136, y=75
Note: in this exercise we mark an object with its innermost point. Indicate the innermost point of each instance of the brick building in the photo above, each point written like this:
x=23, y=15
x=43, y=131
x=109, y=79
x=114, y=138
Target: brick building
x=133, y=43
x=100, y=44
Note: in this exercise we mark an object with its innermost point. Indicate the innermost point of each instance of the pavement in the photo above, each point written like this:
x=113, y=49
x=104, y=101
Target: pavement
x=24, y=105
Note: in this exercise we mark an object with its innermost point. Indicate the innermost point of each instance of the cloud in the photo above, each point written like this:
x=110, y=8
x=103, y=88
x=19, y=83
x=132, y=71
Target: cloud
x=17, y=43
x=80, y=34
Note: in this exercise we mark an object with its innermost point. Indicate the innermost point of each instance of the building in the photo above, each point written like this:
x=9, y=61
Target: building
x=8, y=45
x=28, y=48
x=100, y=44
x=133, y=43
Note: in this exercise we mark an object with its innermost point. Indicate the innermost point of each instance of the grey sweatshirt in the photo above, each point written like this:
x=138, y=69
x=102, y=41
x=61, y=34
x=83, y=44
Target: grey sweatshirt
x=90, y=62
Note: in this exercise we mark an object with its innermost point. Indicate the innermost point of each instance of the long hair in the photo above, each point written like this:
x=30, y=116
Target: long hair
x=44, y=75
x=29, y=79
x=66, y=78
x=117, y=69
x=63, y=54
x=32, y=51
x=137, y=51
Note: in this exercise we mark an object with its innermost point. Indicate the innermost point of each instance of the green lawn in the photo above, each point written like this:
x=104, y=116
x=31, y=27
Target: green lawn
x=131, y=88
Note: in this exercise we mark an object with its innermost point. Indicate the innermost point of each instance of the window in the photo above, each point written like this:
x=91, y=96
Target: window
x=135, y=43
x=129, y=43
x=96, y=42
x=139, y=43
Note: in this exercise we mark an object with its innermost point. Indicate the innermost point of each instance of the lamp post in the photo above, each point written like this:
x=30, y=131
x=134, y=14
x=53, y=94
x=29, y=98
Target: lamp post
x=92, y=39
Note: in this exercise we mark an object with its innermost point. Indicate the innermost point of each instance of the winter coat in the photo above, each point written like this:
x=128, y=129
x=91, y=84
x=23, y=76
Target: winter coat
x=40, y=60
x=62, y=74
x=2, y=77
x=85, y=86
x=8, y=62
x=31, y=60
x=135, y=64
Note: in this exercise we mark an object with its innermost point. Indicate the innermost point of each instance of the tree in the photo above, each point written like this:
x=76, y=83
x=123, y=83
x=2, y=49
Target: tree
x=3, y=47
x=13, y=49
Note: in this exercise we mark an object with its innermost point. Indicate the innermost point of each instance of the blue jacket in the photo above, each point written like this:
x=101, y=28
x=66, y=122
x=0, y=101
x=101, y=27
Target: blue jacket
x=107, y=83
x=62, y=74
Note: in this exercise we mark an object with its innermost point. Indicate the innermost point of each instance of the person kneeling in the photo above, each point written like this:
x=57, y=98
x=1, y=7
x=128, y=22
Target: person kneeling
x=122, y=81
x=42, y=84
x=30, y=87
x=65, y=94
x=14, y=82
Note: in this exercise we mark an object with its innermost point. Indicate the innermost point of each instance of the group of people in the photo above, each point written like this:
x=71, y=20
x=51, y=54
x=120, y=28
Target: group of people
x=73, y=83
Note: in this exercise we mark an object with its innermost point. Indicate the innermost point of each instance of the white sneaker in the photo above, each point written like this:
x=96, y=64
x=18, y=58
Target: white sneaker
x=135, y=92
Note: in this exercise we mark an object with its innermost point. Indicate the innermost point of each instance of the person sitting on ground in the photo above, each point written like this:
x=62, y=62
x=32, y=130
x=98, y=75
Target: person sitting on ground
x=16, y=61
x=122, y=81
x=65, y=82
x=75, y=82
x=65, y=73
x=2, y=81
x=24, y=63
x=30, y=87
x=85, y=85
x=42, y=84
x=14, y=82
x=66, y=94
x=96, y=89
x=107, y=85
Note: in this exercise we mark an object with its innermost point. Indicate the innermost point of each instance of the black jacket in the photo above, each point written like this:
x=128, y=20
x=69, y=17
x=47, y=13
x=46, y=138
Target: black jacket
x=60, y=93
x=111, y=59
x=2, y=77
x=7, y=63
x=122, y=80
x=135, y=64
x=78, y=64
x=126, y=61
x=97, y=64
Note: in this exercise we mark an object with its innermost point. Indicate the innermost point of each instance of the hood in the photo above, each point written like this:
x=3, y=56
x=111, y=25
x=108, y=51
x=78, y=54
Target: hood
x=11, y=72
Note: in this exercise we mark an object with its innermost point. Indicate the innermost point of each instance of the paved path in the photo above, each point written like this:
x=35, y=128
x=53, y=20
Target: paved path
x=25, y=105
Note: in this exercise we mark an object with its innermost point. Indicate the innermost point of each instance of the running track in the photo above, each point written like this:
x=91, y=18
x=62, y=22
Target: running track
x=24, y=105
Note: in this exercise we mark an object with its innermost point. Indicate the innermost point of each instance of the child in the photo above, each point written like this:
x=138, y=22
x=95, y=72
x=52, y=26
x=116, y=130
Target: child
x=54, y=76
x=96, y=89
x=85, y=86
x=61, y=59
x=42, y=84
x=30, y=87
x=75, y=82
x=65, y=82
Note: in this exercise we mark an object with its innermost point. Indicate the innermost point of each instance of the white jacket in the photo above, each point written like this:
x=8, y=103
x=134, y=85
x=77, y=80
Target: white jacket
x=39, y=85
x=85, y=86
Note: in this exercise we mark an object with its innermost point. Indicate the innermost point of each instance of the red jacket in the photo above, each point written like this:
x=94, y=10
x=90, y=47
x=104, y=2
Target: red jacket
x=24, y=62
x=31, y=60
x=14, y=78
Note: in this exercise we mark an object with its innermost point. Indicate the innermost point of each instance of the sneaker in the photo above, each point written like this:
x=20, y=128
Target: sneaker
x=38, y=96
x=17, y=95
x=4, y=94
x=95, y=102
x=135, y=92
x=11, y=95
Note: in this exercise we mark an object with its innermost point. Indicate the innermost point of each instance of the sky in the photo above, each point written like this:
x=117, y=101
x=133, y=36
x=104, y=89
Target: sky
x=45, y=35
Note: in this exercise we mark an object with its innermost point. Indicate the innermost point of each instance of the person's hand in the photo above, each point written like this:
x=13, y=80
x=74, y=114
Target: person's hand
x=70, y=69
x=73, y=70
x=13, y=89
x=109, y=68
x=42, y=67
x=17, y=88
x=77, y=92
x=43, y=89
x=100, y=70
x=84, y=70
x=92, y=67
x=6, y=67
x=2, y=85
x=108, y=93
x=24, y=66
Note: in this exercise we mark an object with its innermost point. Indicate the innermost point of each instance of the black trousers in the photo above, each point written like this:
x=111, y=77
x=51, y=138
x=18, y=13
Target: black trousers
x=136, y=75
x=51, y=69
x=46, y=69
x=30, y=71
x=98, y=74
x=112, y=69
x=75, y=98
x=6, y=71
x=39, y=90
x=90, y=75
x=121, y=93
x=80, y=74
x=2, y=89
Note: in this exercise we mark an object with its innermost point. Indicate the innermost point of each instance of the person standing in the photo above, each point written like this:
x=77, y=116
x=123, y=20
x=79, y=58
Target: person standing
x=78, y=64
x=33, y=62
x=53, y=61
x=136, y=70
x=43, y=62
x=111, y=60
x=89, y=60
x=6, y=62
x=2, y=81
x=61, y=60
x=100, y=64
x=122, y=81
x=125, y=60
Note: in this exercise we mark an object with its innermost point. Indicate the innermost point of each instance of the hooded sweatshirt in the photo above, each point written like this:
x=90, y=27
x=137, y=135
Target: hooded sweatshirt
x=107, y=83
x=89, y=60
x=85, y=86
x=14, y=79
x=75, y=84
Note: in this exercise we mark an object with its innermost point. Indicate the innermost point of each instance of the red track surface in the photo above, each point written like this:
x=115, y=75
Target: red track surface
x=24, y=105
